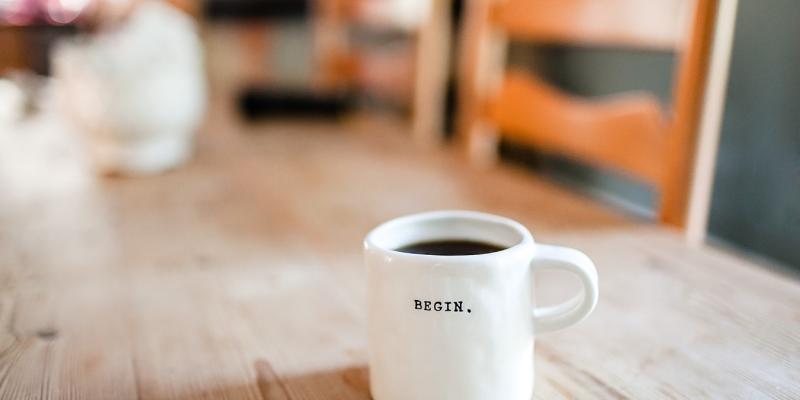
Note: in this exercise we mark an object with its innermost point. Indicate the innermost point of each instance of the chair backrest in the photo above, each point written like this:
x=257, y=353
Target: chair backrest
x=629, y=132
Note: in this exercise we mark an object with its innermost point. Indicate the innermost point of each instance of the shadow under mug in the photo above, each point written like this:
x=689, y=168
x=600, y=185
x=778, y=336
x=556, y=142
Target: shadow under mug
x=462, y=327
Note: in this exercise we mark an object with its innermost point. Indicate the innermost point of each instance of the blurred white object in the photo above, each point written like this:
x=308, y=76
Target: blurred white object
x=406, y=14
x=12, y=102
x=138, y=90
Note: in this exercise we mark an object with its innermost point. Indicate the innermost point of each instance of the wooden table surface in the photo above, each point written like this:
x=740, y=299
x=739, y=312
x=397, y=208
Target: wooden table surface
x=239, y=276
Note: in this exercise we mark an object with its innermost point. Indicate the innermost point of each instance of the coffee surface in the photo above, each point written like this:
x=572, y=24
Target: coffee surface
x=450, y=248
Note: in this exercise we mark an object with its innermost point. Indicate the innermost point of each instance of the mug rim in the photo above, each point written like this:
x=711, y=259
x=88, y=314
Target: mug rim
x=525, y=237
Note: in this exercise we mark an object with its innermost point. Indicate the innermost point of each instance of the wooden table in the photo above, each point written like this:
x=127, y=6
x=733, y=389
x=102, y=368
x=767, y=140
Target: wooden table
x=239, y=276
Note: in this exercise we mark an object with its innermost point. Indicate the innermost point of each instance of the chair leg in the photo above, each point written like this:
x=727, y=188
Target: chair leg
x=481, y=144
x=334, y=61
x=480, y=72
x=255, y=40
x=430, y=76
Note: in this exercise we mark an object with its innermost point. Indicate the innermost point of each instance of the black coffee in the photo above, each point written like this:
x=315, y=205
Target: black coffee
x=450, y=248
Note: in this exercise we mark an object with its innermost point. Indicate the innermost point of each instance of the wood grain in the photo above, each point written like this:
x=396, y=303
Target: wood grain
x=239, y=276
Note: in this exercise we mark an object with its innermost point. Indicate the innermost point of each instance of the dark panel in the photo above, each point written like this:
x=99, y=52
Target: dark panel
x=256, y=9
x=756, y=203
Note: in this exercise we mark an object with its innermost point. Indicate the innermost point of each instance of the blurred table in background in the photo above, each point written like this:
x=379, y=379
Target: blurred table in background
x=239, y=276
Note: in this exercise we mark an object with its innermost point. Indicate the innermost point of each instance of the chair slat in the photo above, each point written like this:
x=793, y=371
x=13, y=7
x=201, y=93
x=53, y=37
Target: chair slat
x=648, y=24
x=626, y=132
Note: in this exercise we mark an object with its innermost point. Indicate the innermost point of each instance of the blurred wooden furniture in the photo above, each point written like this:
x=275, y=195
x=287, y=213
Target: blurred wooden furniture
x=411, y=72
x=240, y=275
x=244, y=34
x=27, y=47
x=629, y=132
x=12, y=41
x=418, y=78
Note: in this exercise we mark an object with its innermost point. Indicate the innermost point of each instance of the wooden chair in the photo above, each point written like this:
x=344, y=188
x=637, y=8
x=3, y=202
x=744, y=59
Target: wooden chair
x=418, y=77
x=630, y=132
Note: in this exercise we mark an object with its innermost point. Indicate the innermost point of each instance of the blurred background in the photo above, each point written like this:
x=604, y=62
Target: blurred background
x=135, y=80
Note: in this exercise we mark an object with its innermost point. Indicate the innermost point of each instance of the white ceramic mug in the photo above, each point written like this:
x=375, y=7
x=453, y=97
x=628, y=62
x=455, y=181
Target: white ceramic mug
x=462, y=327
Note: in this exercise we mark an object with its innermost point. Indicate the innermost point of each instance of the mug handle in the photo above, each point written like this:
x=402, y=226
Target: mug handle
x=572, y=311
